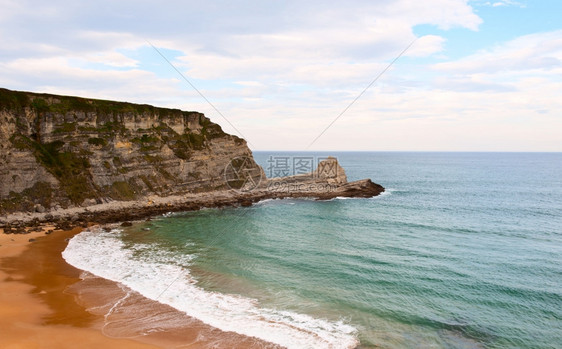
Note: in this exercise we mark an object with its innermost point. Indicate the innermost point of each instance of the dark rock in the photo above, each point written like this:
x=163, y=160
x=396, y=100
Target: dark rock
x=246, y=203
x=31, y=240
x=64, y=225
x=126, y=224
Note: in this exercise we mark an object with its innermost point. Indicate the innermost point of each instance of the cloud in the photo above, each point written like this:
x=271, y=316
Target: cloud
x=541, y=51
x=112, y=59
x=275, y=43
x=500, y=3
x=130, y=85
x=472, y=84
x=426, y=45
x=281, y=71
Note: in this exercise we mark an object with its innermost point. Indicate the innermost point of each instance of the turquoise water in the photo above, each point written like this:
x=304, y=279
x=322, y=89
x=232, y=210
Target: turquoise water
x=463, y=251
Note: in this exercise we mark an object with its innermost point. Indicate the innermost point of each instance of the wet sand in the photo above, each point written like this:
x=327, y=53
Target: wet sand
x=34, y=310
x=45, y=303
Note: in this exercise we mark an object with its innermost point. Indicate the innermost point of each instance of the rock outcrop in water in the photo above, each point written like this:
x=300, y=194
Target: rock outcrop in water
x=65, y=154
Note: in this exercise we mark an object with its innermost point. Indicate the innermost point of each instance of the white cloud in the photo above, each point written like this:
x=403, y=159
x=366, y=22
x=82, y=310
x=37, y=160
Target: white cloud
x=281, y=71
x=541, y=51
x=112, y=59
x=127, y=85
x=426, y=45
x=500, y=3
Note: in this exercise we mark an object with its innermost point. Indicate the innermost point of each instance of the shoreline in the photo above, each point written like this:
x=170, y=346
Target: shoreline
x=34, y=309
x=152, y=205
x=65, y=302
x=46, y=302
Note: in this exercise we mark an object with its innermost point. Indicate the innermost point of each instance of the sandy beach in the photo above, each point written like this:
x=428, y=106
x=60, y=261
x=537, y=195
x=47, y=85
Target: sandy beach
x=45, y=304
x=35, y=312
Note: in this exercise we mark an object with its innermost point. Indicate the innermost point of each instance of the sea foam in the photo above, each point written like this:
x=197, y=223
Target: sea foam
x=160, y=279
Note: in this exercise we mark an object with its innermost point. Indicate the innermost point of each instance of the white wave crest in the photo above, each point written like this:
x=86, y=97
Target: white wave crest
x=104, y=254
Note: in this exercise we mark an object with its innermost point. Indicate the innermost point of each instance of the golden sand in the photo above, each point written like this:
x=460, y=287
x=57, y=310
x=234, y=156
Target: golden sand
x=34, y=310
x=43, y=304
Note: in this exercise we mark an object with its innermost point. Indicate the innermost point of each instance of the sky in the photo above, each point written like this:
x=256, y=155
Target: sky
x=479, y=76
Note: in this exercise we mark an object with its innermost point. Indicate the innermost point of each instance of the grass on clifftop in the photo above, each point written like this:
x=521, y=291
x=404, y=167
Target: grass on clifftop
x=43, y=102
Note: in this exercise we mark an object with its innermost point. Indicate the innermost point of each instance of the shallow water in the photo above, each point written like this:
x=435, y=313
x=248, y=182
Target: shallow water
x=463, y=251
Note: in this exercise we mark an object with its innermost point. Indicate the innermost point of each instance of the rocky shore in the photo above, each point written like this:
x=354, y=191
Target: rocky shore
x=70, y=161
x=319, y=185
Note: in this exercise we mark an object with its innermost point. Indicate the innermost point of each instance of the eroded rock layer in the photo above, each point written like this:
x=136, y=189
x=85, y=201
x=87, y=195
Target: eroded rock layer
x=69, y=151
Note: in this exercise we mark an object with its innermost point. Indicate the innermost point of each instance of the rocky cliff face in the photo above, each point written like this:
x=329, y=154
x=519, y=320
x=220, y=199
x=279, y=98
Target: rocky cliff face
x=68, y=151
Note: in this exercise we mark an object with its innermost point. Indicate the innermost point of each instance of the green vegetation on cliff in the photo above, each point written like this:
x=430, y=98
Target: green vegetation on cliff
x=43, y=102
x=69, y=168
x=96, y=149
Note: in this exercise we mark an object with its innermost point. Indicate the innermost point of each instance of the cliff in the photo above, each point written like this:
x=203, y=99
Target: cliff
x=61, y=151
x=70, y=161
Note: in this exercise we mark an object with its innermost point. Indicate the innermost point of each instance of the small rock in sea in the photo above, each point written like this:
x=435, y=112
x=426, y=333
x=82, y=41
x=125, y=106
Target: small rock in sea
x=146, y=229
x=126, y=224
x=39, y=208
x=49, y=231
x=107, y=229
x=31, y=240
x=67, y=240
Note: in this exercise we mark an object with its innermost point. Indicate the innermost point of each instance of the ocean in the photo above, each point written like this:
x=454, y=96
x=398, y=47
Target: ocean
x=463, y=250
